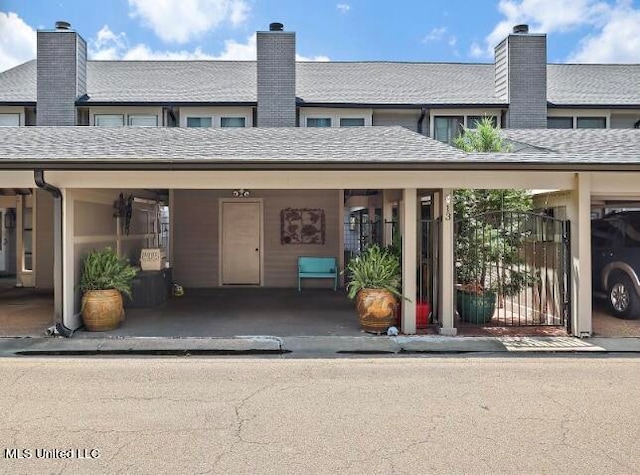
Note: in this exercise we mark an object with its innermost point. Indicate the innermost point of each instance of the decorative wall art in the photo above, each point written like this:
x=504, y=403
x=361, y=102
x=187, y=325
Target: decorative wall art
x=302, y=226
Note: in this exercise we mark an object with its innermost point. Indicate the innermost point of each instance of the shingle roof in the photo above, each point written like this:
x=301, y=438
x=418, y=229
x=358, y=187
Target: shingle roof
x=594, y=84
x=385, y=83
x=396, y=83
x=19, y=84
x=384, y=147
x=298, y=144
x=603, y=143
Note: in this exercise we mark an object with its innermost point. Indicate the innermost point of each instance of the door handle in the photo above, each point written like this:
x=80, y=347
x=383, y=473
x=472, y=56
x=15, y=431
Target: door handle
x=257, y=249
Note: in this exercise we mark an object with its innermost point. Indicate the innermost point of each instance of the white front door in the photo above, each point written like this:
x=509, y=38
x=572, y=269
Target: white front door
x=241, y=242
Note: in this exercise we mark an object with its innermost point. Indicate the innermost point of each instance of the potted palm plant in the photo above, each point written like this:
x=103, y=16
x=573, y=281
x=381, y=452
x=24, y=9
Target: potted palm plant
x=489, y=264
x=105, y=277
x=374, y=281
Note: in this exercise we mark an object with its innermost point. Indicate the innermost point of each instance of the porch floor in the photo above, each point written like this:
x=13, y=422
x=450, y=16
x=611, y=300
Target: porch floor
x=23, y=311
x=242, y=312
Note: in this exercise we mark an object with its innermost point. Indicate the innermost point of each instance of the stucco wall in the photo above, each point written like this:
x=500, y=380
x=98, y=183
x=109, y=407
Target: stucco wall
x=194, y=218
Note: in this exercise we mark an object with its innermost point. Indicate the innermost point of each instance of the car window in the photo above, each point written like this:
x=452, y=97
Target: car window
x=632, y=233
x=602, y=234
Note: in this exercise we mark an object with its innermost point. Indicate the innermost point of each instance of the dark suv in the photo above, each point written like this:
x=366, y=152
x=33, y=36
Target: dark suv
x=615, y=253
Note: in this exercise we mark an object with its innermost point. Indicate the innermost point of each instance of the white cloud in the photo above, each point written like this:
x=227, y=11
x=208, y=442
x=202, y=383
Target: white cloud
x=617, y=42
x=181, y=21
x=142, y=52
x=234, y=50
x=343, y=7
x=613, y=27
x=17, y=41
x=543, y=16
x=476, y=51
x=109, y=45
x=436, y=34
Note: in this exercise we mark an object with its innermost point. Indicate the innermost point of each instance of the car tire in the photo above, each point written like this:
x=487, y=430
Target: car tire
x=623, y=298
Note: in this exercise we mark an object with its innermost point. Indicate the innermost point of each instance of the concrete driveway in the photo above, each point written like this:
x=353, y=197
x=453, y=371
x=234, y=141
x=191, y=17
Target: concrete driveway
x=606, y=325
x=25, y=312
x=353, y=416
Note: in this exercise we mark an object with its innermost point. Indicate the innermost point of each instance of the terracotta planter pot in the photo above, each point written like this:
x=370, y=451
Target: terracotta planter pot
x=377, y=310
x=102, y=310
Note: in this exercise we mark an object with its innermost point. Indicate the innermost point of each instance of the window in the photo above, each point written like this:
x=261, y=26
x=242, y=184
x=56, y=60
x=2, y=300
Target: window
x=603, y=234
x=8, y=120
x=592, y=122
x=199, y=122
x=447, y=128
x=559, y=122
x=27, y=238
x=232, y=122
x=352, y=122
x=474, y=120
x=143, y=120
x=108, y=120
x=318, y=122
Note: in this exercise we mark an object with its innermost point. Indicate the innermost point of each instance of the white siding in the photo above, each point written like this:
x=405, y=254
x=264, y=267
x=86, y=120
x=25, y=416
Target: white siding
x=407, y=119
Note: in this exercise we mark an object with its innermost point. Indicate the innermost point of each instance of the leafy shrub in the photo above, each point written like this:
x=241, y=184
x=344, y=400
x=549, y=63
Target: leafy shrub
x=104, y=270
x=375, y=268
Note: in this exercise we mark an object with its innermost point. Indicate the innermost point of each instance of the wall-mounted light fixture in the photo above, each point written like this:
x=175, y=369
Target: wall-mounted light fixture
x=241, y=193
x=10, y=219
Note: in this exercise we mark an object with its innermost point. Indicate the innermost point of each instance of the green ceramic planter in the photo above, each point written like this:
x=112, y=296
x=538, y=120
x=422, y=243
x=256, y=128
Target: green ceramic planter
x=474, y=308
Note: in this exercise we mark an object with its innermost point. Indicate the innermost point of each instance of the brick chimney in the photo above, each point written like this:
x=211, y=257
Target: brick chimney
x=61, y=76
x=521, y=78
x=276, y=77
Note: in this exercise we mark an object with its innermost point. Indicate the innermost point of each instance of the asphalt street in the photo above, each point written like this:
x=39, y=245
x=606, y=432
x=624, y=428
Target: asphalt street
x=352, y=415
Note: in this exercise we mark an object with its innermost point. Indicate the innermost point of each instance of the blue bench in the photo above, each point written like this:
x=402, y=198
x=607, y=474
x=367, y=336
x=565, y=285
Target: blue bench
x=318, y=268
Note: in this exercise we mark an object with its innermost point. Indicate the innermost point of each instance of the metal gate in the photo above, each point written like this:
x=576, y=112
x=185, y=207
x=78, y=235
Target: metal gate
x=512, y=269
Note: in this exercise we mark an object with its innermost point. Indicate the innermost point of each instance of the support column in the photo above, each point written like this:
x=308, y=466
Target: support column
x=19, y=240
x=58, y=269
x=70, y=319
x=447, y=271
x=387, y=216
x=341, y=231
x=579, y=214
x=409, y=259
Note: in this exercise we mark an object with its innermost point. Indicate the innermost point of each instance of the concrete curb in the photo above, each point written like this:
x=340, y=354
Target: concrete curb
x=313, y=345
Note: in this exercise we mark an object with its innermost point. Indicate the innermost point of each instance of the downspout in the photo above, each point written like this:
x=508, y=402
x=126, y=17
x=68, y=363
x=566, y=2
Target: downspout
x=58, y=273
x=423, y=113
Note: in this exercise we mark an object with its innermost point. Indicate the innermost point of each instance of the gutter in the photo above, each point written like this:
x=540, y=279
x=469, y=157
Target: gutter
x=58, y=269
x=249, y=165
x=423, y=113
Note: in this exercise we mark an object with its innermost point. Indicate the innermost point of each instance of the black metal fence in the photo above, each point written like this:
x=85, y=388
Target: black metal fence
x=512, y=269
x=360, y=234
x=428, y=272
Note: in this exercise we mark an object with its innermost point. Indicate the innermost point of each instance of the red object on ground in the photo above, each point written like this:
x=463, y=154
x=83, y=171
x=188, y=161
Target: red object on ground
x=423, y=310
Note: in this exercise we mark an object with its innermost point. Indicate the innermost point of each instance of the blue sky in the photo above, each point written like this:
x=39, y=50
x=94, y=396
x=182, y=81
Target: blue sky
x=405, y=30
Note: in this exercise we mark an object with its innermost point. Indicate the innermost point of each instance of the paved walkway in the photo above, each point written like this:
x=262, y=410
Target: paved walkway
x=310, y=345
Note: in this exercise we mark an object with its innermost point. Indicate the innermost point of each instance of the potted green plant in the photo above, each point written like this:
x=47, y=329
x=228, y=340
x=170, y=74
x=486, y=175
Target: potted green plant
x=489, y=261
x=489, y=264
x=105, y=277
x=375, y=281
